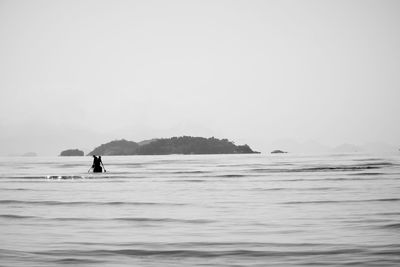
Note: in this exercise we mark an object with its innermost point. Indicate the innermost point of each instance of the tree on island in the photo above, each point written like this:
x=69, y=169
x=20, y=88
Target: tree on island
x=192, y=145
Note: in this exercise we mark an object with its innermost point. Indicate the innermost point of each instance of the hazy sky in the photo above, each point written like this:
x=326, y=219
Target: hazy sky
x=75, y=74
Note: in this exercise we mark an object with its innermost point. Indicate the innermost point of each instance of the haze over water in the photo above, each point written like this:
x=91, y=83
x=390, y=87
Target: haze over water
x=201, y=210
x=75, y=74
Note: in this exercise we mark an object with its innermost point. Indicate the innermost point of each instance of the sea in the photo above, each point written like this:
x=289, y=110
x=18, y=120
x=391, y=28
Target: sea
x=201, y=210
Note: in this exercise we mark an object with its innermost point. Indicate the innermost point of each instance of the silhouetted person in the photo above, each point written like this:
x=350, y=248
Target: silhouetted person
x=97, y=164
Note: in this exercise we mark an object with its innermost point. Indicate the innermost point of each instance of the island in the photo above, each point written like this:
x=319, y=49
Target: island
x=116, y=148
x=72, y=152
x=278, y=152
x=175, y=145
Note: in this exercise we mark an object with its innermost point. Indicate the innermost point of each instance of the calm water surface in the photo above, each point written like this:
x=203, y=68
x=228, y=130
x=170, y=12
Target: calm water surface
x=211, y=210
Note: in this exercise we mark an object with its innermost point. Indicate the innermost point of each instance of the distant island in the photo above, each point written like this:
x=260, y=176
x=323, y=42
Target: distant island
x=115, y=148
x=278, y=151
x=72, y=152
x=175, y=145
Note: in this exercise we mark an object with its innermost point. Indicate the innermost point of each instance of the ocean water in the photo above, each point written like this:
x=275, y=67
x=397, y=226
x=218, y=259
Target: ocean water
x=201, y=210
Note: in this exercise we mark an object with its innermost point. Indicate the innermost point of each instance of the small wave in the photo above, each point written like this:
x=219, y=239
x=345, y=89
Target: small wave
x=368, y=159
x=391, y=226
x=70, y=177
x=167, y=220
x=269, y=189
x=71, y=165
x=65, y=177
x=328, y=179
x=367, y=173
x=16, y=189
x=387, y=213
x=385, y=199
x=187, y=180
x=188, y=172
x=298, y=188
x=191, y=253
x=230, y=175
x=248, y=165
x=27, y=177
x=122, y=219
x=73, y=203
x=13, y=216
x=75, y=261
x=341, y=201
x=319, y=169
x=201, y=244
x=382, y=163
x=135, y=219
x=319, y=188
x=49, y=177
x=126, y=164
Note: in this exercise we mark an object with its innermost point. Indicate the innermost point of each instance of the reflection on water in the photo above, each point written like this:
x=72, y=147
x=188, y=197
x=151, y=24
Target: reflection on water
x=215, y=210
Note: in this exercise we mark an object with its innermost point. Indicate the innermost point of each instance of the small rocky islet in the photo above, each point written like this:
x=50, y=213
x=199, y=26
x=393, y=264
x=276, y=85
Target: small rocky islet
x=71, y=153
x=278, y=151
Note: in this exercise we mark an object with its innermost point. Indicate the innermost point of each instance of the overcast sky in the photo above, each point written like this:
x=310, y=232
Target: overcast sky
x=75, y=74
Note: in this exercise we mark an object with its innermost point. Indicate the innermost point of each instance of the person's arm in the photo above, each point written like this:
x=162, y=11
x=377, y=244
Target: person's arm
x=92, y=167
x=103, y=165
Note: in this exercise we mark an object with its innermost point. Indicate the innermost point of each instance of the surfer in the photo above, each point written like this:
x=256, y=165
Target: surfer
x=97, y=165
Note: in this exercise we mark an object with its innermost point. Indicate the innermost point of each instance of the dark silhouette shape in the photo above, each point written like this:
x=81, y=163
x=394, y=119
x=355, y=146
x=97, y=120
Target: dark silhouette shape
x=97, y=165
x=71, y=152
x=278, y=152
x=174, y=145
x=117, y=147
x=192, y=145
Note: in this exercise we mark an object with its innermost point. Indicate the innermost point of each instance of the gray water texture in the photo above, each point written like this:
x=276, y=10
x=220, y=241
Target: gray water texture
x=201, y=210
